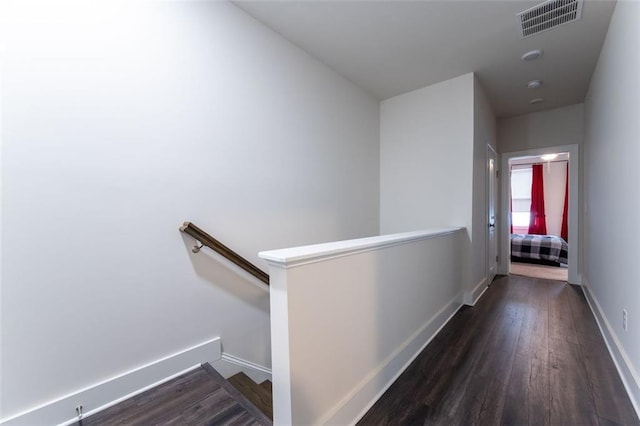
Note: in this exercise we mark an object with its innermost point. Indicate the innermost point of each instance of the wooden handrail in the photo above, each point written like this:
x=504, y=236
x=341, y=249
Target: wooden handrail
x=215, y=245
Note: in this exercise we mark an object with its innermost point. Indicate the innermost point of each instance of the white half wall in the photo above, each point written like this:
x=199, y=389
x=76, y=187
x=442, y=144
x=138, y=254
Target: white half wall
x=612, y=194
x=348, y=317
x=121, y=120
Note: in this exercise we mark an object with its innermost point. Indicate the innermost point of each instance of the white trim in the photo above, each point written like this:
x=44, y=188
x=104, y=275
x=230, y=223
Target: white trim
x=492, y=155
x=106, y=393
x=298, y=256
x=228, y=365
x=574, y=203
x=366, y=393
x=628, y=374
x=470, y=298
x=86, y=414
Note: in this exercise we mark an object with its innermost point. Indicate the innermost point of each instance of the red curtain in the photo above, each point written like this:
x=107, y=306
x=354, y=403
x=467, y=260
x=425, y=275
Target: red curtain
x=537, y=222
x=564, y=231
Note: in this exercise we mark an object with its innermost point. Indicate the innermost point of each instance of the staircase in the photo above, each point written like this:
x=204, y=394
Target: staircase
x=199, y=397
x=260, y=395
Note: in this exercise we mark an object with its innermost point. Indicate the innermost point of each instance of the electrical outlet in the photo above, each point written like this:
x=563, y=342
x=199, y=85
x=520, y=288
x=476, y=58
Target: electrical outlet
x=624, y=319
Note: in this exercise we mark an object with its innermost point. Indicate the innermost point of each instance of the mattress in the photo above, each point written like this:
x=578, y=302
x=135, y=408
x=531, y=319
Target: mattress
x=539, y=247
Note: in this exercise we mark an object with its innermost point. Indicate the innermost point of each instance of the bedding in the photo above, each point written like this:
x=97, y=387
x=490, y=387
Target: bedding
x=539, y=247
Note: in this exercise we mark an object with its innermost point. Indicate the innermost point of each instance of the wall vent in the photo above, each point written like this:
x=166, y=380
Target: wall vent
x=548, y=15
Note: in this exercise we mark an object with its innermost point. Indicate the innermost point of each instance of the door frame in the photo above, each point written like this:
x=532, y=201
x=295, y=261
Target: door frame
x=574, y=197
x=491, y=153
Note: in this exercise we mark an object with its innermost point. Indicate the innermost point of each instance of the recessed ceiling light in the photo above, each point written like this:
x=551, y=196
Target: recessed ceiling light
x=536, y=101
x=534, y=84
x=532, y=55
x=548, y=157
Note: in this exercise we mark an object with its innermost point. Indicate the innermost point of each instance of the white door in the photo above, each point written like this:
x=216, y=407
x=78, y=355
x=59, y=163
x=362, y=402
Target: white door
x=492, y=208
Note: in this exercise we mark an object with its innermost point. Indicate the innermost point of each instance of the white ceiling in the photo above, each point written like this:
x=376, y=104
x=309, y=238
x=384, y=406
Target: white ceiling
x=392, y=47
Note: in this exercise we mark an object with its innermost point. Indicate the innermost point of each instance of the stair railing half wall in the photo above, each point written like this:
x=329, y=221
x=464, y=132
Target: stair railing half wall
x=347, y=317
x=207, y=240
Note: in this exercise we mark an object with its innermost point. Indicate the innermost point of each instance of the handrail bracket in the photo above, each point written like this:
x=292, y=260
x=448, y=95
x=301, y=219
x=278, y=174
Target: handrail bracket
x=205, y=239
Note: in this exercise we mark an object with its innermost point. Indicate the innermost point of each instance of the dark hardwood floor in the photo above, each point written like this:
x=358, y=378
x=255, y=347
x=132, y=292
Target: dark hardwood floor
x=199, y=397
x=529, y=352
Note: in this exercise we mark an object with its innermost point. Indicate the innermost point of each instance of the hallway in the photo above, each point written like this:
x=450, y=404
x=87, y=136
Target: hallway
x=529, y=352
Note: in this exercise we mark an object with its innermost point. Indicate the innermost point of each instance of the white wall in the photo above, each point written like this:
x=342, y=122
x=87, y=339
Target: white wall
x=556, y=127
x=120, y=121
x=426, y=160
x=612, y=194
x=433, y=153
x=535, y=134
x=484, y=133
x=348, y=317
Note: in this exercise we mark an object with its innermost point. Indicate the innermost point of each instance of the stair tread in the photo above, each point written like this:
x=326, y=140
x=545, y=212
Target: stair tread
x=268, y=386
x=254, y=392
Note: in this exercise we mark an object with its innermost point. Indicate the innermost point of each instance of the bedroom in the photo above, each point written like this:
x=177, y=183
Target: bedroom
x=539, y=207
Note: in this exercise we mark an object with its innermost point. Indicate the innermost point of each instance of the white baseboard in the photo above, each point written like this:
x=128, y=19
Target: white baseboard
x=228, y=365
x=470, y=298
x=349, y=410
x=99, y=396
x=627, y=372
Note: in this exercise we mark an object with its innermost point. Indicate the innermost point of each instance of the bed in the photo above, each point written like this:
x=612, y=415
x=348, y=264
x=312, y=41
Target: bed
x=540, y=249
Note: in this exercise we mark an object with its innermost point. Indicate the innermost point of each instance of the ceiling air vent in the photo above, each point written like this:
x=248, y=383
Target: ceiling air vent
x=548, y=15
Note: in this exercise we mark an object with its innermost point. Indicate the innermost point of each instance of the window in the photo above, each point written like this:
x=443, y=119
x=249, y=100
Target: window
x=520, y=196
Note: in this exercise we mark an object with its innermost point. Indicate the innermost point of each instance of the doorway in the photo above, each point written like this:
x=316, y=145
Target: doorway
x=516, y=161
x=539, y=182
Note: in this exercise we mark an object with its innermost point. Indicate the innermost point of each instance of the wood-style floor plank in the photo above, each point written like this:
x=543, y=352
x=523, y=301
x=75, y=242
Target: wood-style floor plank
x=528, y=390
x=194, y=398
x=571, y=398
x=529, y=352
x=497, y=361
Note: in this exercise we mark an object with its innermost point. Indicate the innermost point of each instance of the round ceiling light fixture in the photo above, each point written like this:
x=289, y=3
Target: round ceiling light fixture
x=536, y=101
x=532, y=55
x=534, y=84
